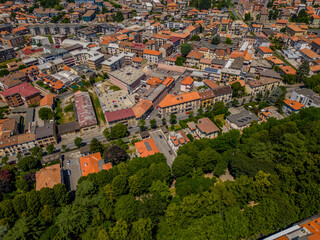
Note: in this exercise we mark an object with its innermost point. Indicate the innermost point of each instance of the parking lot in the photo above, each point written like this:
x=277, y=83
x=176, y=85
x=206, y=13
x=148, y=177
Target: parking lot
x=74, y=167
x=163, y=145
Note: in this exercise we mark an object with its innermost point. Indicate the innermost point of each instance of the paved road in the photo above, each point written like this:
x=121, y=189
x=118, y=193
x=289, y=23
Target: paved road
x=163, y=145
x=74, y=167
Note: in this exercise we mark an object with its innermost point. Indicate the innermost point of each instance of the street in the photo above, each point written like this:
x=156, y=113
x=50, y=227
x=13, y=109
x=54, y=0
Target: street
x=161, y=141
x=73, y=167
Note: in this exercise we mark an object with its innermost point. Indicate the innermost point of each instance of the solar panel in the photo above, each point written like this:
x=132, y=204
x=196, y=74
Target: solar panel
x=147, y=146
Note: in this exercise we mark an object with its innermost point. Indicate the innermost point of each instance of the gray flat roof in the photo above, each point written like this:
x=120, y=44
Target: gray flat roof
x=128, y=74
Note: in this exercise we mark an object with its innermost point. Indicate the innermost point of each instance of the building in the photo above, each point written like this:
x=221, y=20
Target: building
x=46, y=135
x=95, y=60
x=261, y=86
x=152, y=56
x=229, y=75
x=22, y=94
x=222, y=94
x=206, y=98
x=307, y=229
x=178, y=104
x=49, y=176
x=265, y=52
x=206, y=128
x=113, y=63
x=142, y=109
x=240, y=120
x=12, y=80
x=40, y=40
x=291, y=106
x=93, y=163
x=6, y=53
x=187, y=84
x=13, y=40
x=89, y=16
x=127, y=78
x=269, y=112
x=85, y=114
x=309, y=55
x=48, y=101
x=307, y=97
x=284, y=70
x=146, y=147
x=125, y=116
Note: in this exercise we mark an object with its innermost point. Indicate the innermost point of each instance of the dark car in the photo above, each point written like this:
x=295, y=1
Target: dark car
x=160, y=136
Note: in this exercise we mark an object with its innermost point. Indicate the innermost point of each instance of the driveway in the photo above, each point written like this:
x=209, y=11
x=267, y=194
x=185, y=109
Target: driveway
x=74, y=167
x=163, y=145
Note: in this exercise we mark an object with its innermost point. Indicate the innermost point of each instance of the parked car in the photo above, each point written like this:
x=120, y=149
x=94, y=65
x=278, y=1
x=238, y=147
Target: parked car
x=160, y=136
x=68, y=162
x=69, y=172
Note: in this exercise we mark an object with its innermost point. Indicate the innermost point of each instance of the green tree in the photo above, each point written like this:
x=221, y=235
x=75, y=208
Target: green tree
x=179, y=61
x=23, y=66
x=119, y=16
x=119, y=185
x=182, y=166
x=228, y=41
x=45, y=114
x=19, y=204
x=216, y=40
x=61, y=194
x=142, y=229
x=185, y=49
x=208, y=159
x=28, y=163
x=303, y=71
x=289, y=79
x=164, y=121
x=46, y=196
x=120, y=231
x=115, y=155
x=50, y=149
x=191, y=114
x=142, y=124
x=118, y=131
x=96, y=146
x=195, y=38
x=78, y=142
x=125, y=208
x=153, y=123
x=173, y=119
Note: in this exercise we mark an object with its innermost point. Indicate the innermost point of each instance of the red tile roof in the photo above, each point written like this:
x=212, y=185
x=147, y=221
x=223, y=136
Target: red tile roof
x=23, y=89
x=146, y=147
x=119, y=115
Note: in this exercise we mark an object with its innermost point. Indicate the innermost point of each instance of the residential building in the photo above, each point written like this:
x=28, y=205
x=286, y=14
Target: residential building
x=261, y=86
x=12, y=80
x=207, y=98
x=6, y=53
x=93, y=163
x=270, y=112
x=265, y=52
x=291, y=106
x=193, y=58
x=241, y=120
x=13, y=40
x=113, y=63
x=40, y=40
x=307, y=97
x=309, y=55
x=146, y=147
x=152, y=56
x=284, y=70
x=22, y=94
x=229, y=75
x=187, y=84
x=85, y=113
x=46, y=135
x=179, y=104
x=142, y=109
x=89, y=16
x=127, y=78
x=49, y=176
x=205, y=128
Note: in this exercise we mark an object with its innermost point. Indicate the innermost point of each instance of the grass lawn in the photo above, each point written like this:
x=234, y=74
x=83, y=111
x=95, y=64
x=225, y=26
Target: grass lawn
x=97, y=108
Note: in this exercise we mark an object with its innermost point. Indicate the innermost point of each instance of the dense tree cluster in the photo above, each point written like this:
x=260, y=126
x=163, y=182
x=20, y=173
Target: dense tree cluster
x=275, y=165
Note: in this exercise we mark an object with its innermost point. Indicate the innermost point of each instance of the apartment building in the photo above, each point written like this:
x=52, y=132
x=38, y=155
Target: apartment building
x=178, y=104
x=46, y=135
x=22, y=94
x=152, y=56
x=6, y=53
x=262, y=85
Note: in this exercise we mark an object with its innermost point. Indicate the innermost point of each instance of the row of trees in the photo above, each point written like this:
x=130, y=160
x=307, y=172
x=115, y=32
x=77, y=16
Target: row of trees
x=275, y=166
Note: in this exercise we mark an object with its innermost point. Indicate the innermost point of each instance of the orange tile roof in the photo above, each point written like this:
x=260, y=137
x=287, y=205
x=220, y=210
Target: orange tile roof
x=171, y=100
x=195, y=55
x=107, y=166
x=146, y=147
x=211, y=84
x=289, y=70
x=312, y=226
x=141, y=107
x=154, y=81
x=48, y=176
x=151, y=52
x=47, y=100
x=89, y=163
x=187, y=81
x=137, y=59
x=316, y=41
x=66, y=68
x=315, y=68
x=265, y=49
x=293, y=104
x=274, y=60
x=309, y=53
x=168, y=81
x=256, y=25
x=242, y=83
